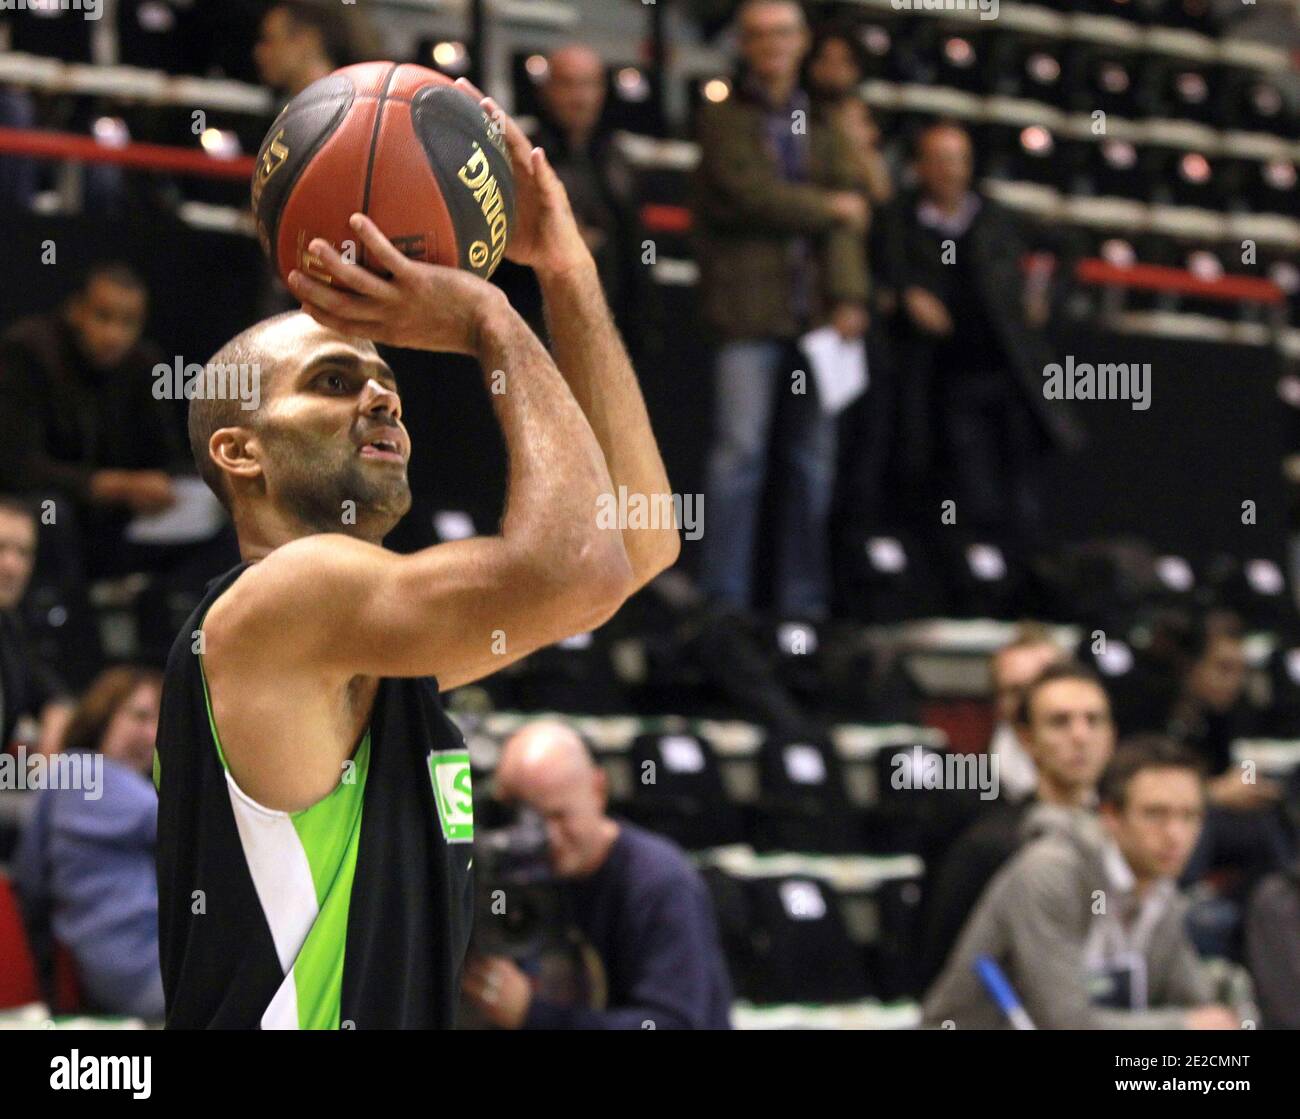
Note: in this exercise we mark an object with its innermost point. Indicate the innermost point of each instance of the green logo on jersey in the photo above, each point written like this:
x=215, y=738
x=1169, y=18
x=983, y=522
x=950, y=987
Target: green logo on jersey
x=449, y=772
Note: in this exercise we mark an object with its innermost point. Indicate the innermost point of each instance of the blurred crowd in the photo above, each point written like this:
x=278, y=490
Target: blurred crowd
x=806, y=235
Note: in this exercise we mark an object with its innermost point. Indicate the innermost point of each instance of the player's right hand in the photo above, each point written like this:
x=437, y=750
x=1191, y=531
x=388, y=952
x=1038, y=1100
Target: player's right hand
x=418, y=306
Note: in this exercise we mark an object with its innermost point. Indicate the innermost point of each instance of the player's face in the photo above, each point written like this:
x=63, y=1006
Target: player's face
x=1159, y=823
x=333, y=446
x=17, y=555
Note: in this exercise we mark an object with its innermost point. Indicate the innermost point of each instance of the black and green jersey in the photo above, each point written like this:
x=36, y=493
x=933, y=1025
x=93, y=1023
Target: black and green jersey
x=353, y=913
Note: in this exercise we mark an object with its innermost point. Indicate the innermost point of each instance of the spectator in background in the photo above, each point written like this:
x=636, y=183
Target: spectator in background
x=583, y=153
x=637, y=899
x=781, y=222
x=1124, y=964
x=28, y=689
x=1064, y=723
x=1204, y=656
x=78, y=419
x=18, y=176
x=1273, y=935
x=299, y=43
x=836, y=68
x=1012, y=669
x=85, y=864
x=973, y=422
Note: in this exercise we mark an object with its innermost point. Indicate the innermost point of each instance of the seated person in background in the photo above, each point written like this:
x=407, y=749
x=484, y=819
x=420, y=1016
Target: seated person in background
x=1013, y=668
x=78, y=419
x=28, y=689
x=1065, y=725
x=1273, y=936
x=636, y=898
x=85, y=865
x=1244, y=830
x=1086, y=922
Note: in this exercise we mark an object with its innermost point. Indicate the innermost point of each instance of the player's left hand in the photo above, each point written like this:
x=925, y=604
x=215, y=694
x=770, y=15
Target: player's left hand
x=499, y=989
x=546, y=236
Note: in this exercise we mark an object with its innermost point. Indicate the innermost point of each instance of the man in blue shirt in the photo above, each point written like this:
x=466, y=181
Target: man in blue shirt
x=634, y=895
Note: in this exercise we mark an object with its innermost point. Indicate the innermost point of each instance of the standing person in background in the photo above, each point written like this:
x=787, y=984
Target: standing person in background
x=299, y=43
x=85, y=864
x=583, y=153
x=836, y=68
x=973, y=422
x=781, y=221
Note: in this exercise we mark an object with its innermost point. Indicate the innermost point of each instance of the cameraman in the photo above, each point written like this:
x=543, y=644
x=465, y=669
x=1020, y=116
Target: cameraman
x=634, y=895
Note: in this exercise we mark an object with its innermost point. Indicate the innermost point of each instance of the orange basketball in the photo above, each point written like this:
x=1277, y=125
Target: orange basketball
x=398, y=143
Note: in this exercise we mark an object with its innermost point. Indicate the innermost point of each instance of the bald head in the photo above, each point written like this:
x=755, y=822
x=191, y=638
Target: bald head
x=299, y=452
x=209, y=413
x=542, y=758
x=575, y=91
x=547, y=767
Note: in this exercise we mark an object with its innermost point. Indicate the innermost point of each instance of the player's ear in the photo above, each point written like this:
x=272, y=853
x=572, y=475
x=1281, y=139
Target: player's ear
x=235, y=450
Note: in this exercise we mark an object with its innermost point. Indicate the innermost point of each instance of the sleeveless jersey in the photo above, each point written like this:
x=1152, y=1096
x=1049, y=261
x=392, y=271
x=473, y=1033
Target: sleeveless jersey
x=354, y=913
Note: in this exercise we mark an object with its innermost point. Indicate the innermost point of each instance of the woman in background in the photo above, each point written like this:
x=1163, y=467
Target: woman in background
x=85, y=864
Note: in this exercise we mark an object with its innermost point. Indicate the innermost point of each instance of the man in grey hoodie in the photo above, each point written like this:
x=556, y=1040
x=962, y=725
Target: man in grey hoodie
x=1086, y=921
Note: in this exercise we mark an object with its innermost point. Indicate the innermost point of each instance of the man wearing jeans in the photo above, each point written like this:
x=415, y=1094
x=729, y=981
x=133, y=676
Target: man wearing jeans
x=781, y=218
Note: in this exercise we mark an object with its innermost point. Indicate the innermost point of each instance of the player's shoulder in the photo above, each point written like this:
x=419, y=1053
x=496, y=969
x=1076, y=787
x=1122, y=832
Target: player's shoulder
x=287, y=587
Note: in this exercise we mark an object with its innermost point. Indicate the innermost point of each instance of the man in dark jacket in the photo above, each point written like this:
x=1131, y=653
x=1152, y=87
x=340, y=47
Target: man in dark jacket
x=781, y=222
x=974, y=423
x=634, y=896
x=582, y=151
x=79, y=423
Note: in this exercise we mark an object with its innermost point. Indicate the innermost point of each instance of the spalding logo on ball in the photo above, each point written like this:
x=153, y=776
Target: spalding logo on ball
x=398, y=143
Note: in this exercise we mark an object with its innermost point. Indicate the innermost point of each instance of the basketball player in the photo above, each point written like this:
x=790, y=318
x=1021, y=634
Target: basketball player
x=314, y=803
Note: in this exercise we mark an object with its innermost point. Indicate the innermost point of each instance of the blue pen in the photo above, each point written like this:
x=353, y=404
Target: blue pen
x=999, y=987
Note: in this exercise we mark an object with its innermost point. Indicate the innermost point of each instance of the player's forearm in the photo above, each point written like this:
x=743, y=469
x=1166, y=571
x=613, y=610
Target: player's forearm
x=593, y=360
x=556, y=469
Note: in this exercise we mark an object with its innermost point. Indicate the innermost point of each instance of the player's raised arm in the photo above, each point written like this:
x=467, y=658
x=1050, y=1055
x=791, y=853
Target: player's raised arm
x=461, y=610
x=587, y=345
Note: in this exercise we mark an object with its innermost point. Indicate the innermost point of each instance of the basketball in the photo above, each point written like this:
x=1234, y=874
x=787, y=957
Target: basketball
x=398, y=143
